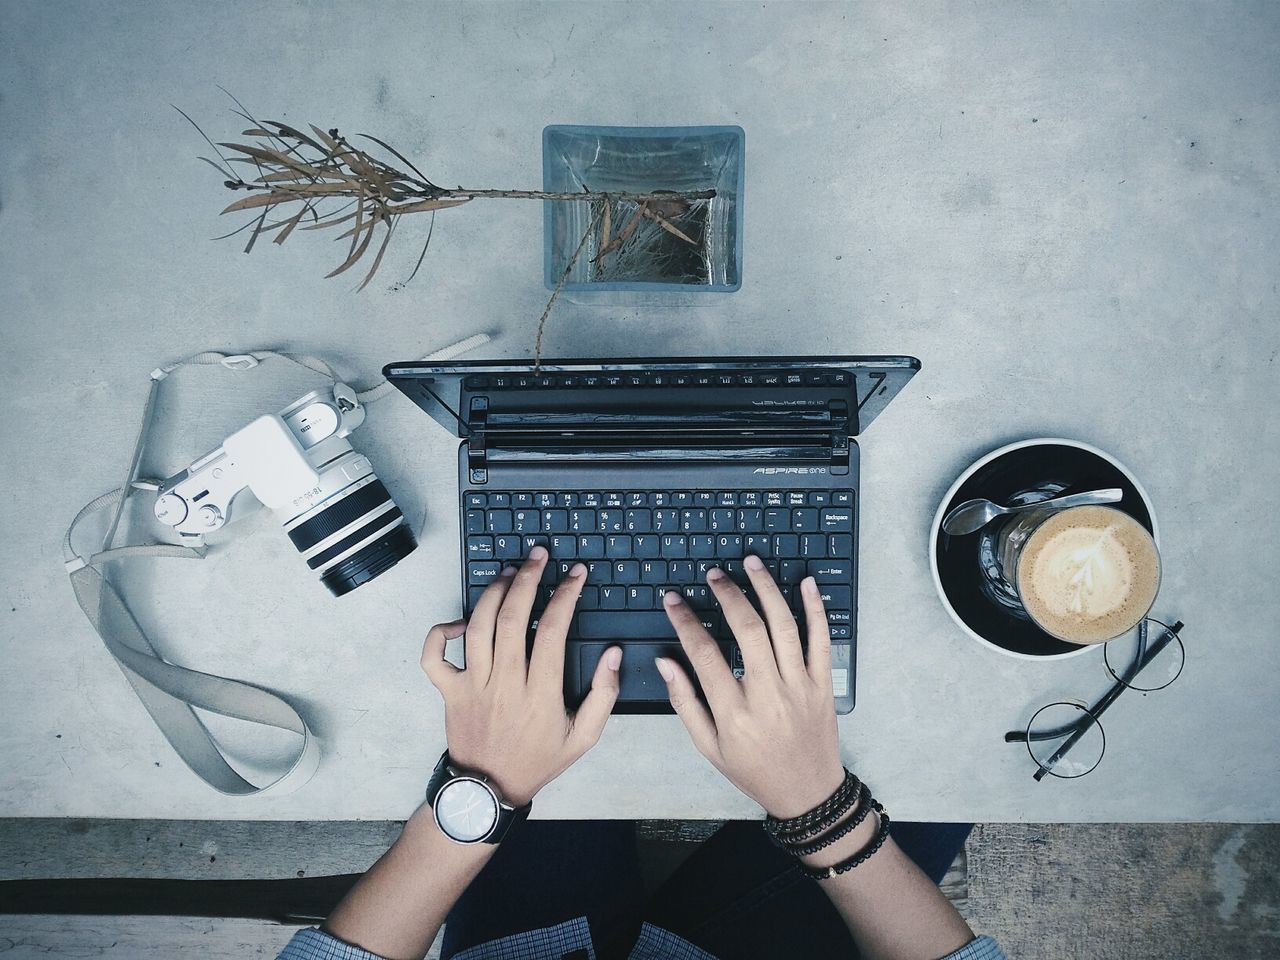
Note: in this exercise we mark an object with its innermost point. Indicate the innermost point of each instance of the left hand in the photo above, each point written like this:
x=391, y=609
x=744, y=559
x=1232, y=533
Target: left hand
x=505, y=715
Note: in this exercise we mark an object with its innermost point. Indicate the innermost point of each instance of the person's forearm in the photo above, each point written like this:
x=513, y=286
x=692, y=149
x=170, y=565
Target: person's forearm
x=396, y=908
x=891, y=908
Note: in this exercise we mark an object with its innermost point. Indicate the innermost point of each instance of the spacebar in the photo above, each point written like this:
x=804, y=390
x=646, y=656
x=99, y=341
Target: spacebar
x=625, y=625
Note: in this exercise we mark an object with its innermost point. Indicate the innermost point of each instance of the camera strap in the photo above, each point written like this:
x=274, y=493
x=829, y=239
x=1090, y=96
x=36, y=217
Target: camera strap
x=170, y=692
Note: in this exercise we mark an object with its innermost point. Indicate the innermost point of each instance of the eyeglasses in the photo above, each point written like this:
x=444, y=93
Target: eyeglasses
x=1069, y=727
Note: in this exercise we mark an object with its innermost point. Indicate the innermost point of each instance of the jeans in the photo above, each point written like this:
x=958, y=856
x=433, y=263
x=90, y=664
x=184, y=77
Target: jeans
x=738, y=897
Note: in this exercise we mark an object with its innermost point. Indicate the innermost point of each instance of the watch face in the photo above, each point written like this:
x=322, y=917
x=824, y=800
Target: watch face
x=466, y=810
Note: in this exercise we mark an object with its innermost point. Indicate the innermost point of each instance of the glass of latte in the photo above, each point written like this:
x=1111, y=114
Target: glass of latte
x=1084, y=575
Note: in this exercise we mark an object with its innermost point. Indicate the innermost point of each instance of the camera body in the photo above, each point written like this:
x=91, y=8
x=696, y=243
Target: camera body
x=299, y=464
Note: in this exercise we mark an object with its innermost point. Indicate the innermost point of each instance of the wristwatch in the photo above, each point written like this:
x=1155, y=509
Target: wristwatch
x=466, y=806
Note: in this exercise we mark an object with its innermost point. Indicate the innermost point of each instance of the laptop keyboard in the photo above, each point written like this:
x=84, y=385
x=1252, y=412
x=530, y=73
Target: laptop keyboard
x=637, y=545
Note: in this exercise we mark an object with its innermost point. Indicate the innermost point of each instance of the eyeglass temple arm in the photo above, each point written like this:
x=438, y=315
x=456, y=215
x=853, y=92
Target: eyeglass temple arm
x=1095, y=712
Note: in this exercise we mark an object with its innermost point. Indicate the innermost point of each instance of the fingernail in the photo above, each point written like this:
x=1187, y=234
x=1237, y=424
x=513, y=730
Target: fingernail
x=664, y=668
x=452, y=631
x=715, y=573
x=578, y=570
x=509, y=570
x=809, y=586
x=538, y=552
x=753, y=562
x=671, y=599
x=613, y=658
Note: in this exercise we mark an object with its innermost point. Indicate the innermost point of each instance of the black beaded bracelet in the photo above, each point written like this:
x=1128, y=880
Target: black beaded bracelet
x=866, y=803
x=862, y=856
x=822, y=817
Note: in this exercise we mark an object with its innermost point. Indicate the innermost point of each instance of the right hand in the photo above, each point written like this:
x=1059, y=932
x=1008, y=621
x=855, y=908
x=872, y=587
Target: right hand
x=773, y=735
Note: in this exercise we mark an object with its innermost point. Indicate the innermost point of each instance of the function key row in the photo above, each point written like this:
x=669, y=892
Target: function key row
x=664, y=379
x=475, y=500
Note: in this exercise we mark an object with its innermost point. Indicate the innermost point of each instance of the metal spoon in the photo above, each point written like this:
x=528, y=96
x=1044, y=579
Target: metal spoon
x=972, y=515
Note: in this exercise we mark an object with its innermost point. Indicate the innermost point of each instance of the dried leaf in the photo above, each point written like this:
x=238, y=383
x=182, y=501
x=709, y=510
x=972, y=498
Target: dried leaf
x=292, y=223
x=667, y=226
x=333, y=222
x=428, y=205
x=377, y=261
x=625, y=233
x=423, y=254
x=354, y=256
x=399, y=156
x=258, y=200
x=256, y=132
x=267, y=155
x=253, y=237
x=605, y=224
x=327, y=140
x=367, y=225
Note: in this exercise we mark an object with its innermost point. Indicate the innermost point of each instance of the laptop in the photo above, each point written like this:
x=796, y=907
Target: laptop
x=651, y=471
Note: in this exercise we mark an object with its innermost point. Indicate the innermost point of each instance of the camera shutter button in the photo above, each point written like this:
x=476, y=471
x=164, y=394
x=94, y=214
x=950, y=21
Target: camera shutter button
x=209, y=516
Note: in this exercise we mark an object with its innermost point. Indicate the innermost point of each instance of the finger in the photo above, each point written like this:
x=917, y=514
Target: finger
x=546, y=664
x=819, y=633
x=782, y=625
x=693, y=713
x=481, y=625
x=439, y=670
x=511, y=638
x=748, y=629
x=717, y=680
x=593, y=714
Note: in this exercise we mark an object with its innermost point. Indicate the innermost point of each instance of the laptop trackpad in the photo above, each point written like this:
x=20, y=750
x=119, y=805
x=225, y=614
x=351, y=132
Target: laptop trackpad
x=639, y=678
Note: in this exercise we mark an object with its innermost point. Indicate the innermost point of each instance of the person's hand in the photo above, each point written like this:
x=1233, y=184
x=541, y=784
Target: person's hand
x=774, y=733
x=505, y=714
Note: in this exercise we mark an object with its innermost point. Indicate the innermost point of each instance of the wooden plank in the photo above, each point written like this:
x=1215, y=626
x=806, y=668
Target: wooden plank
x=60, y=848
x=40, y=936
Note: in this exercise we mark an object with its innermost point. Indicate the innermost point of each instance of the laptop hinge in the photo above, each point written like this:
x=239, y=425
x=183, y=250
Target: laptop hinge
x=476, y=443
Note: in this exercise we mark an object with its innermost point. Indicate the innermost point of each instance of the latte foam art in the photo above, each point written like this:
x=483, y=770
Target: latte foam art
x=1082, y=573
x=1088, y=574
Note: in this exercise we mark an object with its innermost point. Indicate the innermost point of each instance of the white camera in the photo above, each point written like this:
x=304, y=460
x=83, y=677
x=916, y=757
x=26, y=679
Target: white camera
x=299, y=464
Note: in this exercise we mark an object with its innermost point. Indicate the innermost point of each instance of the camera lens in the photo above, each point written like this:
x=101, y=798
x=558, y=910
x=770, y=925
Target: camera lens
x=354, y=531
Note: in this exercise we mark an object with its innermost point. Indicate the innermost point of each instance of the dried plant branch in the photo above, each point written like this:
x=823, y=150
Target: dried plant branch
x=321, y=175
x=568, y=267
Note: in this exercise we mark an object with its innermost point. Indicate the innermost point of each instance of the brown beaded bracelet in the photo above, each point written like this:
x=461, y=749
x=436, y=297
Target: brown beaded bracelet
x=866, y=802
x=862, y=856
x=822, y=817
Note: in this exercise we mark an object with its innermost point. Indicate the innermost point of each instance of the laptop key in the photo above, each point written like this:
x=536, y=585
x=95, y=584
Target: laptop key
x=777, y=520
x=618, y=545
x=666, y=520
x=626, y=571
x=804, y=520
x=702, y=545
x=599, y=571
x=830, y=571
x=478, y=500
x=632, y=625
x=591, y=547
x=750, y=521
x=562, y=547
x=729, y=545
x=527, y=521
x=533, y=540
x=582, y=521
x=481, y=572
x=475, y=521
x=786, y=545
x=682, y=571
x=613, y=597
x=506, y=547
x=645, y=545
x=611, y=521
x=693, y=521
x=838, y=597
x=589, y=598
x=791, y=571
x=498, y=521
x=759, y=544
x=555, y=521
x=722, y=520
x=837, y=521
x=813, y=545
x=640, y=598
x=653, y=571
x=639, y=521
x=840, y=544
x=479, y=548
x=674, y=547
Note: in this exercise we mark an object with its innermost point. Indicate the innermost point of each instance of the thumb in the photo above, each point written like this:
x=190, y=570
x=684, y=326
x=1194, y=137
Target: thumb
x=589, y=721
